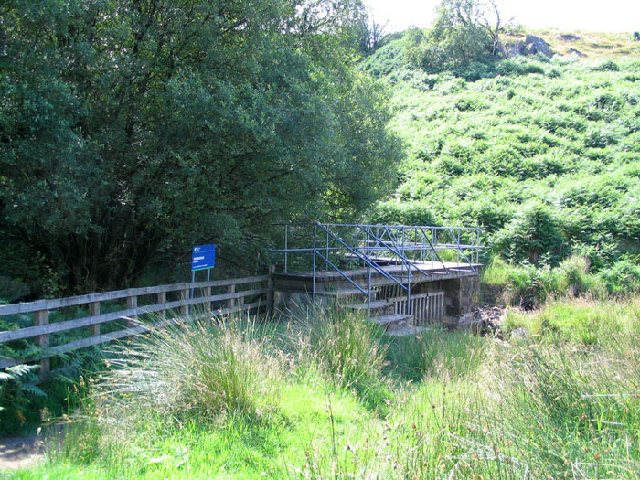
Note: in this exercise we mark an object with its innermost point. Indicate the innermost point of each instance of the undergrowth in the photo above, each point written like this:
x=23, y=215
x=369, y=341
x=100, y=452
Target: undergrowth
x=296, y=401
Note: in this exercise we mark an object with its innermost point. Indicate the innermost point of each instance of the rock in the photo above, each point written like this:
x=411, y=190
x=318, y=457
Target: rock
x=535, y=45
x=569, y=37
x=514, y=49
x=491, y=319
x=520, y=332
x=576, y=53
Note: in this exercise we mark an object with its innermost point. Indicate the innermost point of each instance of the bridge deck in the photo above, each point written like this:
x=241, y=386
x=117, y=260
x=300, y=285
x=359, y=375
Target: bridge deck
x=434, y=272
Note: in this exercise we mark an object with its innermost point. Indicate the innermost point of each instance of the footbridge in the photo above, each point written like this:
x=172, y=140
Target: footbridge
x=402, y=275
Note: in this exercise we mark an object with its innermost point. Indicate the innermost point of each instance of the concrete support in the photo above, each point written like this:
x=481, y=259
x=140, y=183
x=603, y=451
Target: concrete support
x=460, y=294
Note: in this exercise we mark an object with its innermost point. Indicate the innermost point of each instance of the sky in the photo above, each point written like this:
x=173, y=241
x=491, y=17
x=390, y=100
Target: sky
x=585, y=15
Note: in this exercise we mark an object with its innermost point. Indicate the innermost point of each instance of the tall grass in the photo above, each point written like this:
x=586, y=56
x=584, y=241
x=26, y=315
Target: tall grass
x=198, y=366
x=551, y=404
x=199, y=369
x=435, y=353
x=580, y=321
x=344, y=345
x=529, y=411
x=568, y=412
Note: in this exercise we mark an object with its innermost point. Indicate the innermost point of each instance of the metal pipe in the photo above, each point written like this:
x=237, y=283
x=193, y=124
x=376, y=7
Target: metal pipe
x=286, y=246
x=314, y=261
x=369, y=291
x=326, y=264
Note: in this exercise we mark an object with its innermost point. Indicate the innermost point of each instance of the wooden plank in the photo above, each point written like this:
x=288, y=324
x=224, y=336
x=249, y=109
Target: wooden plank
x=67, y=325
x=272, y=269
x=184, y=296
x=53, y=304
x=108, y=337
x=109, y=317
x=207, y=293
x=161, y=299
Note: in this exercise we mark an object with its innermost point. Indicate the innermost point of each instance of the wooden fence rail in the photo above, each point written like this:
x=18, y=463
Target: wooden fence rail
x=257, y=290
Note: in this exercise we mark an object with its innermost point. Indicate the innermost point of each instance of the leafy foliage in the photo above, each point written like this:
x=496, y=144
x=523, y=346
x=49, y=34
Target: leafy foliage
x=133, y=130
x=18, y=386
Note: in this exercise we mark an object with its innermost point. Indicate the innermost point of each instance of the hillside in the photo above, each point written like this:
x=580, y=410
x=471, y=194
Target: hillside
x=542, y=153
x=592, y=45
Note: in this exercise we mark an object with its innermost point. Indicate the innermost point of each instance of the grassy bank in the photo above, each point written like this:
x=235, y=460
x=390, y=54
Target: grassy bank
x=541, y=153
x=327, y=396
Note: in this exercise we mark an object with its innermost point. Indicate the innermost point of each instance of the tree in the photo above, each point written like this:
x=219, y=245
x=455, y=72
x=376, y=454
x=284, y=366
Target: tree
x=464, y=31
x=370, y=35
x=132, y=130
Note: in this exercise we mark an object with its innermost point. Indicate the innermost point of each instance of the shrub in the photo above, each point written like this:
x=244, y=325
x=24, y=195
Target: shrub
x=390, y=213
x=554, y=73
x=607, y=66
x=18, y=387
x=475, y=71
x=534, y=232
x=470, y=104
x=575, y=278
x=518, y=67
x=622, y=277
x=530, y=286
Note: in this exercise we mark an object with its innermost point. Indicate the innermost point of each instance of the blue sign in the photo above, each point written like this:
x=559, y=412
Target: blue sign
x=203, y=257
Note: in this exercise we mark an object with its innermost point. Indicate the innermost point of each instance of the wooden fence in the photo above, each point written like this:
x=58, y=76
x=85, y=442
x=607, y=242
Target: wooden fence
x=220, y=297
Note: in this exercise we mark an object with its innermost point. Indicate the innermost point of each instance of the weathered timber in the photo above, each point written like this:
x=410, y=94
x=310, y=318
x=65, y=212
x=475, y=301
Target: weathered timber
x=109, y=337
x=41, y=329
x=57, y=303
x=47, y=329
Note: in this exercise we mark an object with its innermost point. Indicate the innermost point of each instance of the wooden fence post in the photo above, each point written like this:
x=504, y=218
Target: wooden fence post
x=207, y=304
x=41, y=317
x=162, y=299
x=94, y=311
x=132, y=302
x=184, y=295
x=232, y=301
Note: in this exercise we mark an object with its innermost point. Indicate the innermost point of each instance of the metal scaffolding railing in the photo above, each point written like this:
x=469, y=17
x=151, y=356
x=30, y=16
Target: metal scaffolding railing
x=417, y=250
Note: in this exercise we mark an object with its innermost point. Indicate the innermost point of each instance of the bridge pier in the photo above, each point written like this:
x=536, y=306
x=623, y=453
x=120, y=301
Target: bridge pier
x=460, y=295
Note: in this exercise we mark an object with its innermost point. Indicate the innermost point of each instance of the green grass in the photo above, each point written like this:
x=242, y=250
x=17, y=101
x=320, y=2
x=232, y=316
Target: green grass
x=553, y=402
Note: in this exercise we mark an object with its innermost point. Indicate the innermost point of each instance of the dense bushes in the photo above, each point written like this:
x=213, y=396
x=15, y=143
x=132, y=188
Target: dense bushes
x=533, y=233
x=187, y=122
x=545, y=163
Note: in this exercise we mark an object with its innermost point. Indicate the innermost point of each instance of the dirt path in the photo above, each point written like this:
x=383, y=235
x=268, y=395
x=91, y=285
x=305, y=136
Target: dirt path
x=22, y=452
